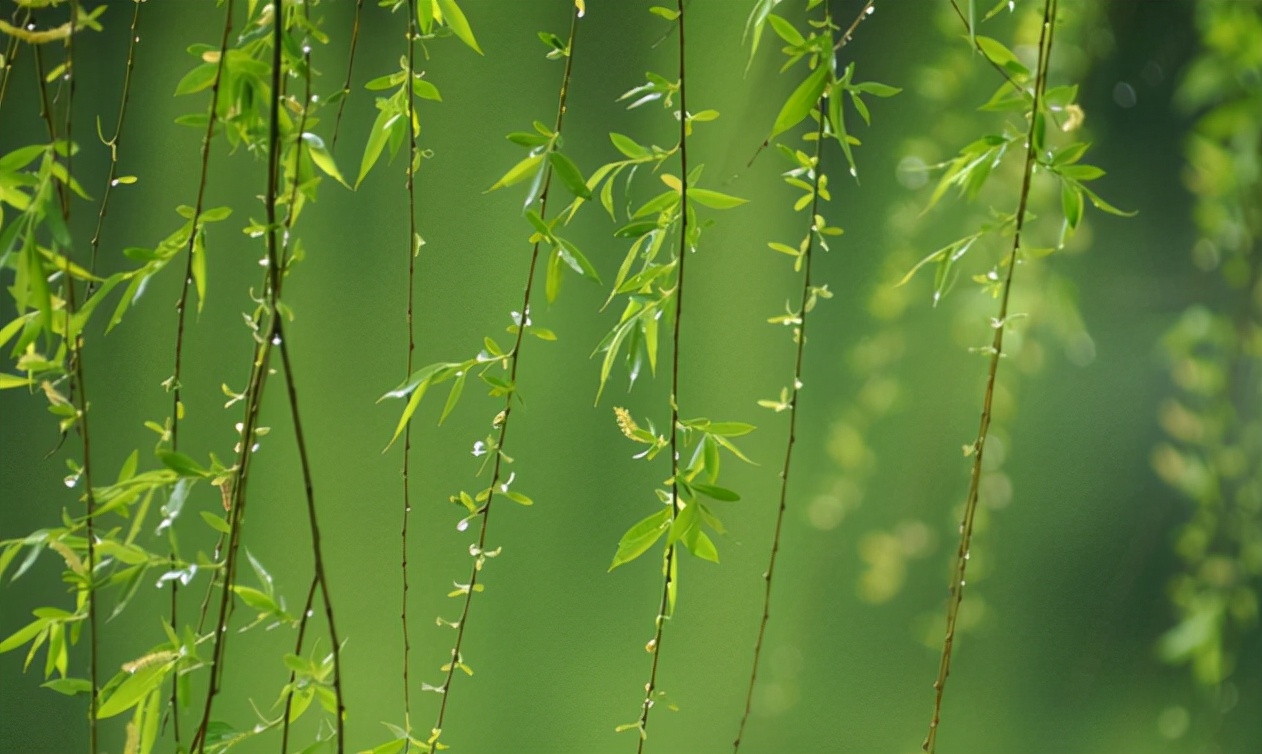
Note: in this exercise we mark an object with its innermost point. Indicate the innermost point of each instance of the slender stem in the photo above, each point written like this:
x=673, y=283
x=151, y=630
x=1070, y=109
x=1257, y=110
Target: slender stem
x=118, y=133
x=413, y=250
x=46, y=112
x=514, y=361
x=668, y=565
x=258, y=379
x=846, y=37
x=302, y=633
x=769, y=574
x=979, y=446
x=182, y=306
x=350, y=66
x=74, y=356
x=11, y=50
x=320, y=576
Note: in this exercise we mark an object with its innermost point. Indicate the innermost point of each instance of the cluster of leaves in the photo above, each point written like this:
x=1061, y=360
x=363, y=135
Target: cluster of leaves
x=1214, y=448
x=35, y=182
x=683, y=519
x=820, y=96
x=543, y=162
x=970, y=170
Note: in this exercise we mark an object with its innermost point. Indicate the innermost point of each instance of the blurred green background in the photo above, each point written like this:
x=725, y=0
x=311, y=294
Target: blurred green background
x=1068, y=582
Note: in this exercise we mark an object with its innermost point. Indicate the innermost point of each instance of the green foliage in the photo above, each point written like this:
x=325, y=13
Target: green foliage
x=253, y=96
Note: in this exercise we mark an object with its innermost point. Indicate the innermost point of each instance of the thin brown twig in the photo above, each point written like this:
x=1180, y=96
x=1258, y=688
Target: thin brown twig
x=350, y=67
x=769, y=574
x=11, y=51
x=668, y=564
x=74, y=357
x=514, y=359
x=182, y=306
x=979, y=445
x=258, y=379
x=319, y=575
x=413, y=250
x=117, y=137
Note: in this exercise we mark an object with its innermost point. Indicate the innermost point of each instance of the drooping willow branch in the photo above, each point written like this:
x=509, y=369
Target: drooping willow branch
x=514, y=359
x=74, y=358
x=668, y=566
x=113, y=142
x=182, y=307
x=413, y=250
x=319, y=574
x=350, y=66
x=1000, y=325
x=11, y=49
x=258, y=378
x=794, y=389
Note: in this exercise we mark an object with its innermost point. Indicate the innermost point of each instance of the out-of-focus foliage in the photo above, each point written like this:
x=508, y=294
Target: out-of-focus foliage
x=1214, y=421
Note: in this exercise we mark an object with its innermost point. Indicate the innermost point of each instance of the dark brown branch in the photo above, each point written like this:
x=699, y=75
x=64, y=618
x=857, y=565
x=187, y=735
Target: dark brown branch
x=182, y=306
x=979, y=445
x=258, y=379
x=319, y=576
x=514, y=361
x=769, y=574
x=116, y=139
x=350, y=67
x=411, y=352
x=11, y=50
x=669, y=558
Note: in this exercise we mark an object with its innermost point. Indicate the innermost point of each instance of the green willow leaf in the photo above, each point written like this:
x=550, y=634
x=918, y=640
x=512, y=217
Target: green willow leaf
x=628, y=146
x=377, y=138
x=455, y=19
x=799, y=104
x=715, y=199
x=523, y=170
x=130, y=692
x=565, y=169
x=717, y=493
x=577, y=261
x=639, y=538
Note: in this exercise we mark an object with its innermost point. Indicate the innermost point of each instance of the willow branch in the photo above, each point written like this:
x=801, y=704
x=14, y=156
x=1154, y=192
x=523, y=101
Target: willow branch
x=514, y=361
x=116, y=139
x=413, y=249
x=320, y=575
x=182, y=306
x=669, y=557
x=11, y=49
x=350, y=67
x=74, y=356
x=258, y=379
x=979, y=445
x=769, y=574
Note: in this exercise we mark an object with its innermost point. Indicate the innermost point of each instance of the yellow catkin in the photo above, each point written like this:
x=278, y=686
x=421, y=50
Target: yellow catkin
x=625, y=422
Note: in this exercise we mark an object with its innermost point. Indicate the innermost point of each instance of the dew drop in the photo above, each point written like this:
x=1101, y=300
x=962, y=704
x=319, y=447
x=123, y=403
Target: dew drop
x=254, y=448
x=72, y=480
x=276, y=340
x=871, y=9
x=463, y=525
